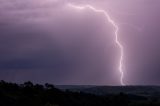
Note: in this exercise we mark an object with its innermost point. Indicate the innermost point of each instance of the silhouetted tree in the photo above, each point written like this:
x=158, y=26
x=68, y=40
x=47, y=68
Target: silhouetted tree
x=28, y=94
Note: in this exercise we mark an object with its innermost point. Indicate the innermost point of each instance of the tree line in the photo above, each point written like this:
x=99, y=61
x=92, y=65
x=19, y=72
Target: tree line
x=29, y=94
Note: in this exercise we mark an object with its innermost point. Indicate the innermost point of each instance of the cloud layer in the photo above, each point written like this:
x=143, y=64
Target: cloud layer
x=45, y=41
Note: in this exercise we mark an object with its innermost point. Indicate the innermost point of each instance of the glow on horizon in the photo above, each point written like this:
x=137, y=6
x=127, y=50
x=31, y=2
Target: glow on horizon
x=110, y=20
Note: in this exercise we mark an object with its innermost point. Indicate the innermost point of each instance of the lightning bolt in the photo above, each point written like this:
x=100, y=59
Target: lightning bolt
x=110, y=20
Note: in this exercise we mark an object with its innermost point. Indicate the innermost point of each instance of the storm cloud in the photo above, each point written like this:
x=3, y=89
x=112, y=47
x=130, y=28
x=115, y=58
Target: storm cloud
x=45, y=41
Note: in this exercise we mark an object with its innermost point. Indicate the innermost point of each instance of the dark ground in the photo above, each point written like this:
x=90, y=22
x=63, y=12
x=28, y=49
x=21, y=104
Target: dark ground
x=29, y=94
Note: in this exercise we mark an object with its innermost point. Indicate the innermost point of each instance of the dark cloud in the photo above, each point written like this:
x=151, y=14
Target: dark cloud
x=44, y=41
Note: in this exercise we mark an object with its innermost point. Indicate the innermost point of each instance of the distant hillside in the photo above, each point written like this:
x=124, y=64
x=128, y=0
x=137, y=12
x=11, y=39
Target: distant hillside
x=105, y=90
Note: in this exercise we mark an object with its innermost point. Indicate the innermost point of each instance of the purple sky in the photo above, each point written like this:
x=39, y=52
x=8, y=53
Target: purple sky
x=45, y=41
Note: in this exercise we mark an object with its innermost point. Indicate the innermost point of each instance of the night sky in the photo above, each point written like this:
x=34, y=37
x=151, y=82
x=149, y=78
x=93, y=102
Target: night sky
x=46, y=41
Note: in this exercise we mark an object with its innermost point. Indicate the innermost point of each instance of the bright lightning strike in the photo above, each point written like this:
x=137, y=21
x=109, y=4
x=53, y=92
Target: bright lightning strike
x=110, y=20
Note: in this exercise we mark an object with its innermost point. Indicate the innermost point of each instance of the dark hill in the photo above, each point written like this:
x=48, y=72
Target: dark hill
x=29, y=94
